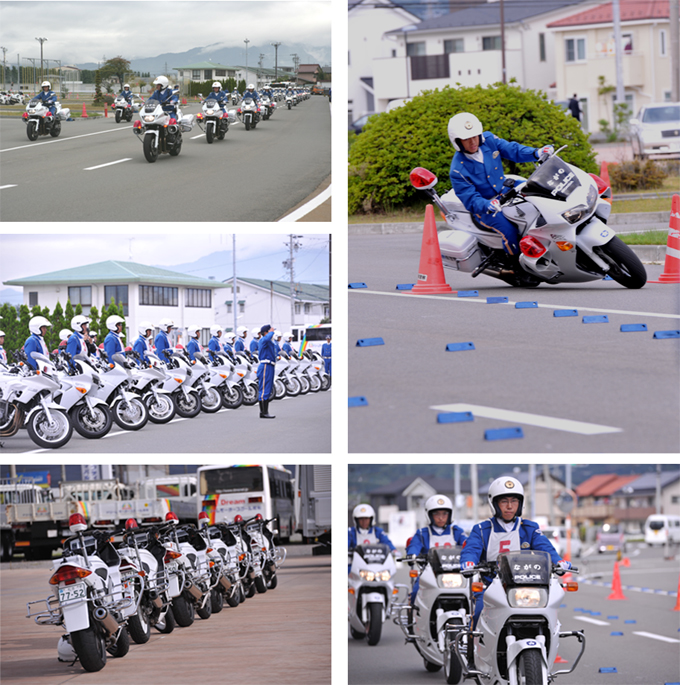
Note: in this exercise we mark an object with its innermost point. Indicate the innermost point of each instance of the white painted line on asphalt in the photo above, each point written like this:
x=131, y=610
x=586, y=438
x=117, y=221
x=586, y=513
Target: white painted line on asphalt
x=200, y=135
x=594, y=621
x=482, y=300
x=530, y=419
x=309, y=206
x=100, y=166
x=10, y=186
x=655, y=637
x=62, y=140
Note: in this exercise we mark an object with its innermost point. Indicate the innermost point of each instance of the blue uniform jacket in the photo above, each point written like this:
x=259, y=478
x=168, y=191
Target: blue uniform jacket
x=34, y=343
x=476, y=183
x=48, y=98
x=127, y=94
x=379, y=533
x=74, y=346
x=420, y=542
x=112, y=345
x=326, y=350
x=140, y=346
x=254, y=345
x=166, y=98
x=193, y=346
x=287, y=348
x=529, y=535
x=239, y=345
x=221, y=97
x=161, y=343
x=214, y=346
x=227, y=348
x=266, y=347
x=254, y=95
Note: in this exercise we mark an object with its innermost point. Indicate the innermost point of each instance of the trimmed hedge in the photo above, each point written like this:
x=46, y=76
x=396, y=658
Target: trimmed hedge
x=415, y=134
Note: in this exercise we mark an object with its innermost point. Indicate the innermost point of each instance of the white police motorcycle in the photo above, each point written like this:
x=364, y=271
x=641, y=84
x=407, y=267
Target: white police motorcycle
x=41, y=122
x=159, y=131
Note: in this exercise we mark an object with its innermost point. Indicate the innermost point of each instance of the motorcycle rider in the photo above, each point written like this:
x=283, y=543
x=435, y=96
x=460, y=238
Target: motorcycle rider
x=254, y=343
x=220, y=95
x=277, y=342
x=48, y=97
x=127, y=93
x=77, y=342
x=193, y=345
x=141, y=345
x=36, y=341
x=112, y=342
x=326, y=354
x=251, y=93
x=214, y=342
x=477, y=177
x=228, y=346
x=265, y=370
x=3, y=354
x=165, y=95
x=287, y=347
x=161, y=341
x=505, y=531
x=363, y=532
x=242, y=334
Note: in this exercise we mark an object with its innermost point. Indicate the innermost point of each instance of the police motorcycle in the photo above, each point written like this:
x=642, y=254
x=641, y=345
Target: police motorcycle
x=372, y=591
x=148, y=380
x=41, y=122
x=517, y=637
x=89, y=598
x=178, y=382
x=273, y=554
x=123, y=110
x=289, y=100
x=440, y=611
x=231, y=389
x=237, y=559
x=251, y=563
x=215, y=121
x=27, y=400
x=268, y=107
x=234, y=99
x=249, y=113
x=561, y=213
x=246, y=370
x=289, y=375
x=203, y=379
x=319, y=369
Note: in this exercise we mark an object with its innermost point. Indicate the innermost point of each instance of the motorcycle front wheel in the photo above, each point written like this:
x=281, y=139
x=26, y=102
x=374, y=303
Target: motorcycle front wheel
x=166, y=623
x=304, y=384
x=46, y=434
x=130, y=415
x=91, y=423
x=232, y=398
x=188, y=406
x=247, y=125
x=260, y=585
x=90, y=646
x=205, y=612
x=326, y=383
x=139, y=626
x=273, y=581
x=279, y=389
x=183, y=611
x=161, y=408
x=314, y=383
x=211, y=400
x=118, y=116
x=374, y=625
x=217, y=599
x=453, y=670
x=249, y=392
x=150, y=148
x=529, y=671
x=32, y=129
x=234, y=598
x=293, y=386
x=625, y=266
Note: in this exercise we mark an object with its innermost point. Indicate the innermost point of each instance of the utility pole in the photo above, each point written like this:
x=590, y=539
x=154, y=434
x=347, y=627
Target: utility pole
x=618, y=55
x=260, y=68
x=289, y=264
x=246, y=41
x=4, y=65
x=675, y=49
x=276, y=61
x=42, y=75
x=503, y=71
x=296, y=62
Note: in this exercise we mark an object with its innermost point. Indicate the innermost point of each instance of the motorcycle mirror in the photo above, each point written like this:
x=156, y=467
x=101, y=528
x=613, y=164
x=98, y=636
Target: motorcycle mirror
x=422, y=179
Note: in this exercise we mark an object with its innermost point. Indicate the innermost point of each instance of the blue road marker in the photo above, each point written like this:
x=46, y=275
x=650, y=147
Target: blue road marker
x=579, y=609
x=368, y=342
x=455, y=417
x=607, y=278
x=596, y=613
x=630, y=620
x=565, y=312
x=358, y=401
x=526, y=305
x=496, y=300
x=612, y=618
x=468, y=293
x=404, y=286
x=633, y=327
x=616, y=632
x=667, y=334
x=608, y=669
x=596, y=319
x=503, y=433
x=458, y=347
x=358, y=285
x=563, y=606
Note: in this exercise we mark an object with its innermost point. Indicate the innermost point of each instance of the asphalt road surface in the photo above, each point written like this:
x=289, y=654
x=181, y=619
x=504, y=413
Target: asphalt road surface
x=96, y=171
x=302, y=425
x=573, y=387
x=282, y=636
x=647, y=652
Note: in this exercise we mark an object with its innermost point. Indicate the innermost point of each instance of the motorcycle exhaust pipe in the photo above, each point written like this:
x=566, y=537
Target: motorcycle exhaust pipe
x=104, y=617
x=156, y=599
x=225, y=582
x=271, y=566
x=193, y=590
x=252, y=575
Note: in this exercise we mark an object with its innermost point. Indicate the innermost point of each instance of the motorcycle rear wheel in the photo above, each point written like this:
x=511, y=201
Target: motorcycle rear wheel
x=183, y=611
x=188, y=406
x=131, y=416
x=217, y=600
x=235, y=598
x=232, y=398
x=90, y=646
x=625, y=266
x=272, y=581
x=150, y=149
x=46, y=435
x=32, y=129
x=529, y=670
x=166, y=624
x=177, y=147
x=122, y=646
x=260, y=584
x=56, y=129
x=95, y=426
x=161, y=409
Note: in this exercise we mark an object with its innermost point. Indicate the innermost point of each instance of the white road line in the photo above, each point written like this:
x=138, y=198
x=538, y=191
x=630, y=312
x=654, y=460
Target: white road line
x=655, y=637
x=62, y=140
x=11, y=186
x=99, y=166
x=309, y=206
x=594, y=621
x=530, y=419
x=482, y=300
x=198, y=136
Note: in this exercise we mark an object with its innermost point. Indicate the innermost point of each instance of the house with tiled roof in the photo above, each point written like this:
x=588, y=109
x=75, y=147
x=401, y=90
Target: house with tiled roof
x=585, y=61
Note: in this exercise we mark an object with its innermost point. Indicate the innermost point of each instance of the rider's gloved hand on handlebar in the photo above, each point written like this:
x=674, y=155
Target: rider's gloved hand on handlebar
x=544, y=151
x=493, y=207
x=469, y=564
x=564, y=565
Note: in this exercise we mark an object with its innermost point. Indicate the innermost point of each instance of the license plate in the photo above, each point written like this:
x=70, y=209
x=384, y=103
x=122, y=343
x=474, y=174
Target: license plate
x=73, y=592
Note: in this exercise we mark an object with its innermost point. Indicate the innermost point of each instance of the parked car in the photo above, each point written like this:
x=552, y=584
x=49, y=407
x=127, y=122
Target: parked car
x=358, y=125
x=611, y=538
x=656, y=130
x=661, y=528
x=558, y=536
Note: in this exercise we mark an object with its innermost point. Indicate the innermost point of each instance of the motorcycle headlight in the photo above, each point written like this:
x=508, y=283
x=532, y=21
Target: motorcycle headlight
x=527, y=597
x=383, y=575
x=367, y=575
x=148, y=118
x=575, y=214
x=450, y=580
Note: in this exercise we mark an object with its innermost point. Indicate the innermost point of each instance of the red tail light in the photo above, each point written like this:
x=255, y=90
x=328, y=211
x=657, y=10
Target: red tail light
x=170, y=556
x=422, y=178
x=69, y=574
x=532, y=247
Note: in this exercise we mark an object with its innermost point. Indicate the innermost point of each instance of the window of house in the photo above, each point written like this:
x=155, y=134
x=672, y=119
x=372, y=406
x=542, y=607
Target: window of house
x=220, y=72
x=32, y=299
x=198, y=297
x=662, y=43
x=117, y=293
x=298, y=308
x=454, y=45
x=415, y=49
x=429, y=66
x=308, y=308
x=158, y=295
x=575, y=49
x=394, y=53
x=208, y=74
x=229, y=307
x=196, y=75
x=627, y=40
x=80, y=294
x=491, y=43
x=241, y=306
x=541, y=47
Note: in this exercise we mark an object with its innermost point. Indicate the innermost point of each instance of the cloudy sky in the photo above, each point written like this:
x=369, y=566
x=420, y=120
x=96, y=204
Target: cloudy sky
x=29, y=255
x=79, y=32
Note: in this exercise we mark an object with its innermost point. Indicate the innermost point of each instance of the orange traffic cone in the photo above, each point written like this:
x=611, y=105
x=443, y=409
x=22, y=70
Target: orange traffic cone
x=604, y=173
x=560, y=660
x=677, y=603
x=431, y=279
x=617, y=591
x=84, y=114
x=106, y=110
x=671, y=268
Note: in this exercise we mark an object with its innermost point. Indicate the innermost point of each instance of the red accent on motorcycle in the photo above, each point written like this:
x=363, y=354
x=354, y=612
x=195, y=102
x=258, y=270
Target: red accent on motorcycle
x=130, y=524
x=137, y=124
x=170, y=555
x=77, y=520
x=602, y=186
x=172, y=121
x=203, y=515
x=24, y=115
x=532, y=247
x=238, y=518
x=422, y=178
x=171, y=516
x=69, y=574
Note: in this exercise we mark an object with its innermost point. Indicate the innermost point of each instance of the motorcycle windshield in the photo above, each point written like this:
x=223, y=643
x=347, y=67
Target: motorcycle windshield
x=248, y=102
x=529, y=567
x=75, y=547
x=444, y=559
x=211, y=104
x=373, y=554
x=553, y=179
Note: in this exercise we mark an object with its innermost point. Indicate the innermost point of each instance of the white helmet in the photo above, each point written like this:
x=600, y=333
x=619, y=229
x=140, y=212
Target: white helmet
x=113, y=320
x=194, y=331
x=242, y=331
x=46, y=83
x=437, y=502
x=277, y=335
x=504, y=486
x=463, y=126
x=2, y=333
x=144, y=326
x=287, y=335
x=65, y=651
x=215, y=329
x=230, y=337
x=251, y=86
x=65, y=334
x=127, y=85
x=217, y=84
x=166, y=323
x=255, y=332
x=363, y=511
x=162, y=80
x=36, y=323
x=77, y=322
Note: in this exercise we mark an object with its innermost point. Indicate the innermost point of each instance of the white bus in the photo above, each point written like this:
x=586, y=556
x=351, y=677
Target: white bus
x=247, y=489
x=310, y=337
x=660, y=528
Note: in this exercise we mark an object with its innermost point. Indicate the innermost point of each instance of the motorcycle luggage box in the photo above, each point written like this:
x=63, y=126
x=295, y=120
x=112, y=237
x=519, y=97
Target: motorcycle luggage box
x=232, y=116
x=64, y=114
x=187, y=123
x=459, y=250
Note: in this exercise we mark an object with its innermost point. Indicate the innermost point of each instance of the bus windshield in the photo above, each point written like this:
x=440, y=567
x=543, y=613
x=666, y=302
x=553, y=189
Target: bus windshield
x=228, y=480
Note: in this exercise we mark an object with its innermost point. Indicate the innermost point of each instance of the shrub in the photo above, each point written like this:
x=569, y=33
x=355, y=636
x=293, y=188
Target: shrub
x=415, y=134
x=636, y=176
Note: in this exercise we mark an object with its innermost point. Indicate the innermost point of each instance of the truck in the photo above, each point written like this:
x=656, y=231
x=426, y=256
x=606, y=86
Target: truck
x=313, y=511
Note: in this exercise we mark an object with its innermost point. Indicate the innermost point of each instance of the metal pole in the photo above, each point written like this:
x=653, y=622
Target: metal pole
x=503, y=43
x=456, y=489
x=548, y=487
x=658, y=489
x=4, y=65
x=292, y=281
x=532, y=490
x=246, y=41
x=475, y=488
x=42, y=73
x=233, y=258
x=276, y=61
x=618, y=54
x=675, y=49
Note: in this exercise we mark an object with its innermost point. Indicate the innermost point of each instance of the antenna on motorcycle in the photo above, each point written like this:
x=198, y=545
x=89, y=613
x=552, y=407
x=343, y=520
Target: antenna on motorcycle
x=422, y=179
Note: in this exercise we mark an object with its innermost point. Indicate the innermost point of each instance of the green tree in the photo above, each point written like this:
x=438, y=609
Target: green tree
x=58, y=320
x=414, y=135
x=68, y=313
x=116, y=66
x=94, y=322
x=97, y=87
x=10, y=323
x=22, y=329
x=242, y=86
